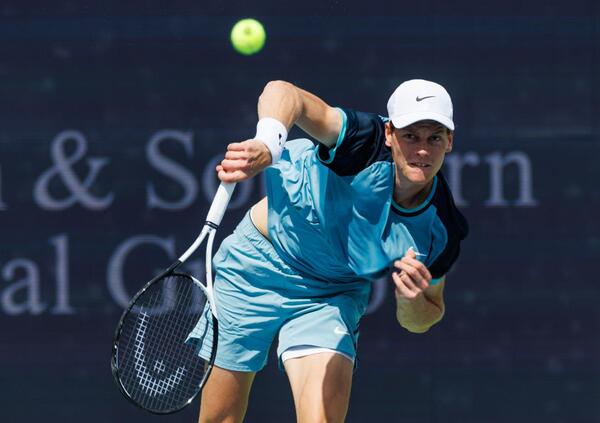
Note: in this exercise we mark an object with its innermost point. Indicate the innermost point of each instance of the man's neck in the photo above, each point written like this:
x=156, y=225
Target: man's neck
x=409, y=196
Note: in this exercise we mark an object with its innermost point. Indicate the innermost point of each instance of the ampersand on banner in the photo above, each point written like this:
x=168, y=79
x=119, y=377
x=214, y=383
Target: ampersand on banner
x=63, y=168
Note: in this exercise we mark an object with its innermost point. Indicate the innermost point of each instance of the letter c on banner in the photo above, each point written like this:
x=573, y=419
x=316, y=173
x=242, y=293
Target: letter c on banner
x=114, y=274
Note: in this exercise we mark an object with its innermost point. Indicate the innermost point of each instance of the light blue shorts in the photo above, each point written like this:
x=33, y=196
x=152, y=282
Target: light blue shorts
x=258, y=296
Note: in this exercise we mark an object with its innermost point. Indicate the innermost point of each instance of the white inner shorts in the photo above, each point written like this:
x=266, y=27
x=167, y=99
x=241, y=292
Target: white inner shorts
x=304, y=350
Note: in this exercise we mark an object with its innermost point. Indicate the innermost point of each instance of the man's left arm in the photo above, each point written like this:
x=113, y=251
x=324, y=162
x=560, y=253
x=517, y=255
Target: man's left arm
x=419, y=303
x=417, y=315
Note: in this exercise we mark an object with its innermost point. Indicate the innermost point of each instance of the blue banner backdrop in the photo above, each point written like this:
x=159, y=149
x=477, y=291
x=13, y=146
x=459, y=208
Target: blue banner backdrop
x=114, y=116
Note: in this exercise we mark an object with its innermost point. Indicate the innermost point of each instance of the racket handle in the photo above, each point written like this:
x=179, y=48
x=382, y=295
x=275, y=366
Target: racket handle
x=220, y=202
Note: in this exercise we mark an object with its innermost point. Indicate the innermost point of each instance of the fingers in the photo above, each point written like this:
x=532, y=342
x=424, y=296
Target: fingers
x=231, y=171
x=410, y=276
x=243, y=160
x=416, y=277
x=231, y=165
x=405, y=288
x=236, y=155
x=234, y=176
x=415, y=268
x=236, y=146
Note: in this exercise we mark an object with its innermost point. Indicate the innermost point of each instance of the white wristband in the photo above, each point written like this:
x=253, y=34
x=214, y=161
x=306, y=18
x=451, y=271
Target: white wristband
x=274, y=134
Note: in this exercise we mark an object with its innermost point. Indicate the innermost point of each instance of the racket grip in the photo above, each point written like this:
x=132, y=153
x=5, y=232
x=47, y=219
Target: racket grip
x=220, y=202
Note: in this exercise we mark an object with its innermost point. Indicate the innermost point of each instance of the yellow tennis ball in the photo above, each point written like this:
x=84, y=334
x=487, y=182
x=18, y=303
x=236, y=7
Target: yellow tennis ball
x=248, y=36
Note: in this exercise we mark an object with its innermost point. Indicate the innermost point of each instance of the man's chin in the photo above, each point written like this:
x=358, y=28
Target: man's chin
x=420, y=176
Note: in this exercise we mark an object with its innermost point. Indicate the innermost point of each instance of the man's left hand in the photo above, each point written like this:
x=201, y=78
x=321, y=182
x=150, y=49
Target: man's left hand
x=410, y=276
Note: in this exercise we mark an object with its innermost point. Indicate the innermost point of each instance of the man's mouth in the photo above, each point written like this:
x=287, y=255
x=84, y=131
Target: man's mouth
x=417, y=164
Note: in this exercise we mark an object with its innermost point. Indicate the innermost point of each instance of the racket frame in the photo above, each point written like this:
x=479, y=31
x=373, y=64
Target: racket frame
x=213, y=219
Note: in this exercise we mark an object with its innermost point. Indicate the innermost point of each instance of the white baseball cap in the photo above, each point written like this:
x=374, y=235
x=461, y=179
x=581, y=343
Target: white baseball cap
x=417, y=100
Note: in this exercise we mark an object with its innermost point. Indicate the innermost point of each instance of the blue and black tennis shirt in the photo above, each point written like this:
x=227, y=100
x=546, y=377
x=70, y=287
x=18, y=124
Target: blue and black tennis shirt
x=332, y=215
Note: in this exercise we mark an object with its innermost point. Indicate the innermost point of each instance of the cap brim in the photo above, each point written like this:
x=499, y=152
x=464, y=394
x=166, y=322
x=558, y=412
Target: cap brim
x=410, y=118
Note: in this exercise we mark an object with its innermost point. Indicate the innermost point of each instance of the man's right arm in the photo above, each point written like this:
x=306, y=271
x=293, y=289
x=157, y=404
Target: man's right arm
x=292, y=105
x=288, y=105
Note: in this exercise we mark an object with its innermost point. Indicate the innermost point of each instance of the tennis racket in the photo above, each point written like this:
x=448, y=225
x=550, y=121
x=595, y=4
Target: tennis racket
x=152, y=362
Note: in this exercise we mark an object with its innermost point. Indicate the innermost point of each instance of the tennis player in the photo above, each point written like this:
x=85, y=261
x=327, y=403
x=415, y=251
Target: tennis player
x=368, y=199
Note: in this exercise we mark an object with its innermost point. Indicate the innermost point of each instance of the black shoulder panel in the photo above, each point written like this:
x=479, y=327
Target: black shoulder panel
x=362, y=145
x=456, y=226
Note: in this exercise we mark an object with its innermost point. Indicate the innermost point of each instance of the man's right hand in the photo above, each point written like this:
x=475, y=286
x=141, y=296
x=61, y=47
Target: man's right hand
x=243, y=160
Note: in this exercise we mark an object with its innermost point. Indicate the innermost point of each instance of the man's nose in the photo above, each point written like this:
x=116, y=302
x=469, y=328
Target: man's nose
x=423, y=152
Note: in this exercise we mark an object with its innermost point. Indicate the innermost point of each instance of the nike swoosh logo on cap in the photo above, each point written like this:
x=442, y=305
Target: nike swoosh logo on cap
x=423, y=98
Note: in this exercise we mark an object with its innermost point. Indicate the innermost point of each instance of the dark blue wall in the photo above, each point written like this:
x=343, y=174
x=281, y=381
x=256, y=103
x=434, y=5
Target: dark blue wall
x=112, y=117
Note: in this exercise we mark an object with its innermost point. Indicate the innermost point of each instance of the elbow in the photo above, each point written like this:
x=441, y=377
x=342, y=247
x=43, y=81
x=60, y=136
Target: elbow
x=277, y=93
x=416, y=329
x=278, y=86
x=422, y=325
x=277, y=83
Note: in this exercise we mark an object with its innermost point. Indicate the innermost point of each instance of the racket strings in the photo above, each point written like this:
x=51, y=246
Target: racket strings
x=158, y=369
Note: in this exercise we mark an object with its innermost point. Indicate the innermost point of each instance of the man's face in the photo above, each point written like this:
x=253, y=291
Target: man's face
x=419, y=149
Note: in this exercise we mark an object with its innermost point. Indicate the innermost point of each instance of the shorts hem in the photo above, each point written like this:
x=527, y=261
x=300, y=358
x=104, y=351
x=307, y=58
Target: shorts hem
x=346, y=354
x=308, y=350
x=226, y=365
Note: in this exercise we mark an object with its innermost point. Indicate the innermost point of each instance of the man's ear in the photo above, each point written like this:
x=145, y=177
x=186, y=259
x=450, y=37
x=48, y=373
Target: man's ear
x=450, y=142
x=389, y=130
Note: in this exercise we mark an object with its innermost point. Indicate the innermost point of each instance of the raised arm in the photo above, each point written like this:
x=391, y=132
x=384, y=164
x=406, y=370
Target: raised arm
x=292, y=105
x=280, y=106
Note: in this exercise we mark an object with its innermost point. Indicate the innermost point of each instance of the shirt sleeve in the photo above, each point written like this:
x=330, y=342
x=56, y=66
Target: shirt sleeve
x=361, y=142
x=435, y=281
